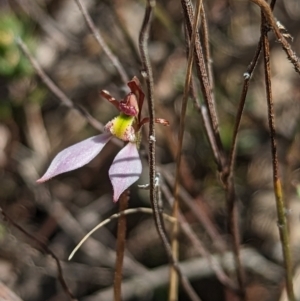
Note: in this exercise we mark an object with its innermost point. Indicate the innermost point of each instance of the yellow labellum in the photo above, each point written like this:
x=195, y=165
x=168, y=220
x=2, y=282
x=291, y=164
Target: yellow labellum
x=121, y=127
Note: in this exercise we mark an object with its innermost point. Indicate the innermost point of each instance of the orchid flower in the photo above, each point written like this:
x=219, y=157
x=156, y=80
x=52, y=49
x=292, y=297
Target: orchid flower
x=126, y=168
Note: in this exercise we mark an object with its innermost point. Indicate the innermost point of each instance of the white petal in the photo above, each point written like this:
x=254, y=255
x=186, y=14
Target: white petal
x=125, y=169
x=76, y=156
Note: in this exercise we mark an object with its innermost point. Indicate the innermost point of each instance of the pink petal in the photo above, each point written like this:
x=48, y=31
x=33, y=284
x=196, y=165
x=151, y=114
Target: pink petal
x=125, y=169
x=76, y=156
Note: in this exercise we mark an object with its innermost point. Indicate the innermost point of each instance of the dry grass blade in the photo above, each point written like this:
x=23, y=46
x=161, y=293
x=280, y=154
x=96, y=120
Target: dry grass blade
x=173, y=290
x=111, y=218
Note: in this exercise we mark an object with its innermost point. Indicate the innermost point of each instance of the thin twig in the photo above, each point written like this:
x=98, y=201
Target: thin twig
x=141, y=286
x=121, y=238
x=147, y=71
x=203, y=79
x=118, y=16
x=72, y=227
x=203, y=110
x=48, y=24
x=200, y=248
x=200, y=215
x=267, y=11
x=281, y=212
x=56, y=90
x=207, y=126
x=115, y=61
x=111, y=218
x=173, y=289
x=206, y=50
x=47, y=250
x=247, y=79
x=233, y=229
x=222, y=166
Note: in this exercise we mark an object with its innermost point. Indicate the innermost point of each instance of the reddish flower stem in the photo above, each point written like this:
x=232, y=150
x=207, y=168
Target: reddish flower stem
x=121, y=238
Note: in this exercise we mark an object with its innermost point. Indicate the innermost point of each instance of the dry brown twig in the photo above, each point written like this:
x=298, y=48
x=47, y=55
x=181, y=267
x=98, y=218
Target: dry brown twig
x=114, y=59
x=65, y=100
x=147, y=72
x=173, y=289
x=47, y=250
x=267, y=11
x=198, y=245
x=223, y=167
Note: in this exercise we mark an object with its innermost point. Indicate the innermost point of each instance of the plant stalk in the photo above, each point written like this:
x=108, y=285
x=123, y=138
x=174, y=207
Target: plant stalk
x=281, y=211
x=121, y=238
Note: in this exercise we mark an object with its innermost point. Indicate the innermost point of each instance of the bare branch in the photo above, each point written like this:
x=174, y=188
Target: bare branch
x=56, y=90
x=47, y=250
x=267, y=11
x=173, y=291
x=147, y=70
x=115, y=61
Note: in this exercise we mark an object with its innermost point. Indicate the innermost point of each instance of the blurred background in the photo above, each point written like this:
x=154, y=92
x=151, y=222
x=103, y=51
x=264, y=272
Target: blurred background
x=35, y=125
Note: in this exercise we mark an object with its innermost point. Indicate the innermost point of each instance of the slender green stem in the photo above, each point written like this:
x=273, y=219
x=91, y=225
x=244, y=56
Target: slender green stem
x=281, y=212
